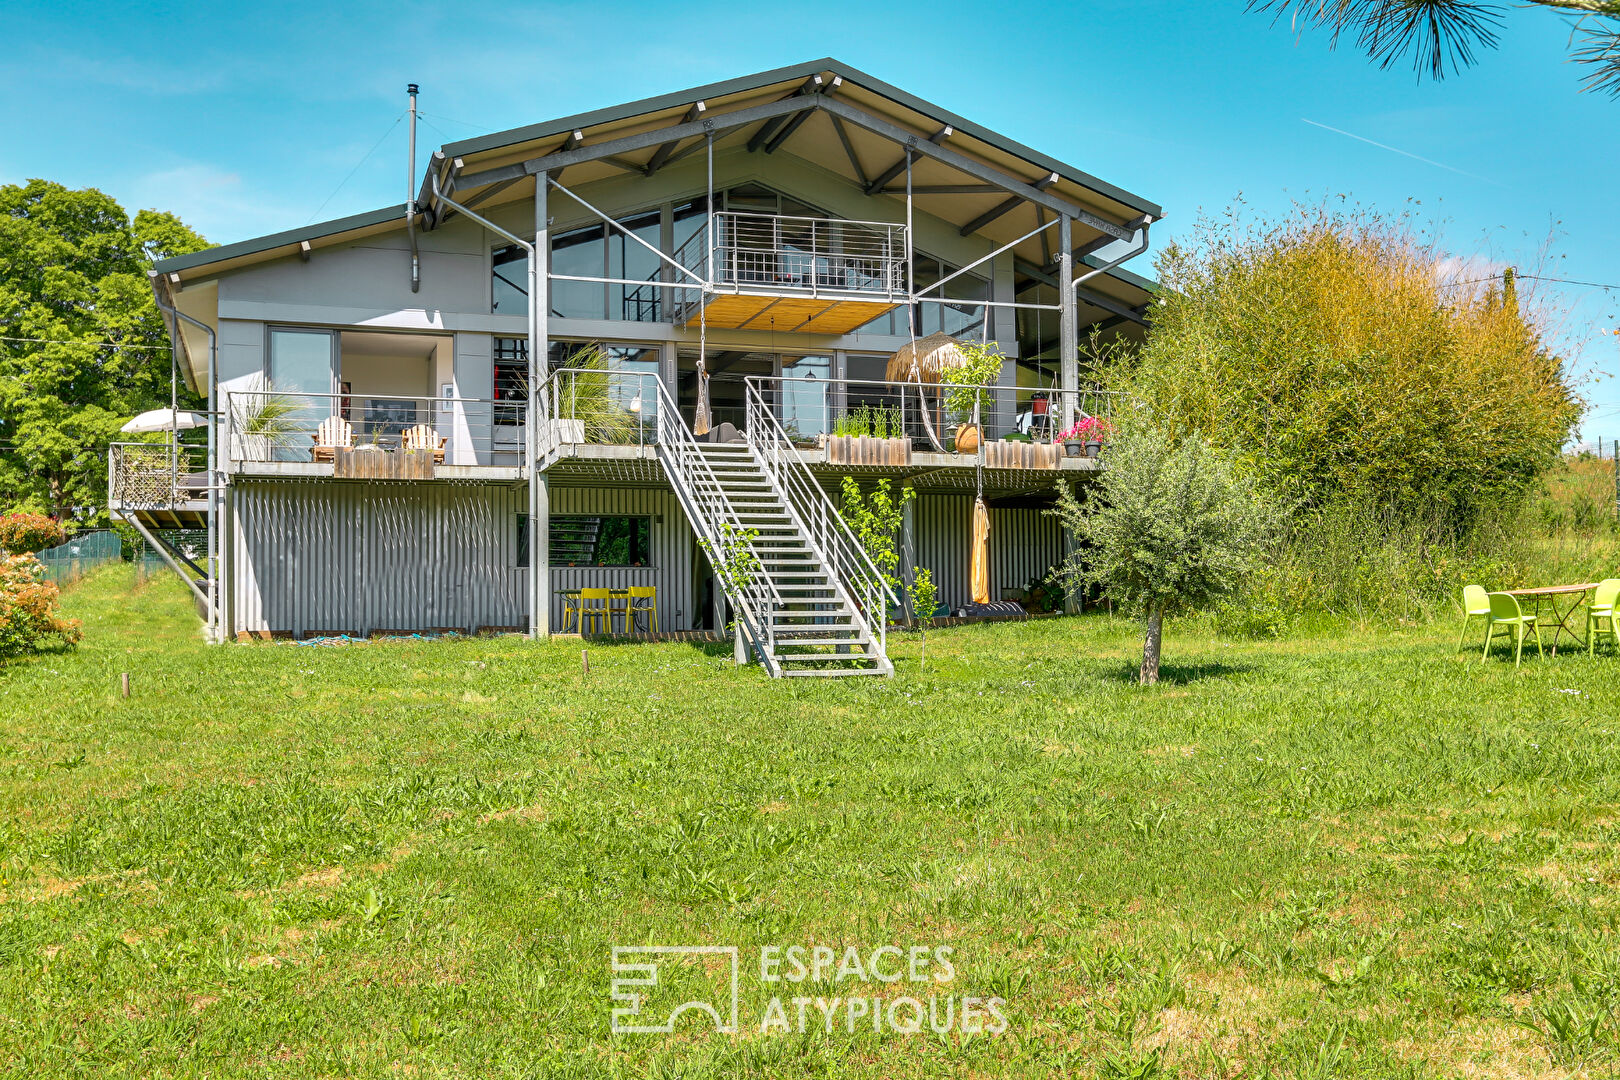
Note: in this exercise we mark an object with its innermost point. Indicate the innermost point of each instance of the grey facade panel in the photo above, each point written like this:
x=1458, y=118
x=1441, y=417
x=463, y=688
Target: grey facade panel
x=1024, y=544
x=354, y=558
x=672, y=551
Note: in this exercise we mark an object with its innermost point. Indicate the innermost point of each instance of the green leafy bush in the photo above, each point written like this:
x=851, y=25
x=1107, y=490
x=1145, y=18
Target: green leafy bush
x=982, y=368
x=28, y=607
x=1171, y=526
x=1329, y=352
x=26, y=533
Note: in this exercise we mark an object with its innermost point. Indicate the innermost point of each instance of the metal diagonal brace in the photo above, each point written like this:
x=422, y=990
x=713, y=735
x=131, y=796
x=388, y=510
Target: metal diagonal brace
x=979, y=262
x=629, y=144
x=626, y=231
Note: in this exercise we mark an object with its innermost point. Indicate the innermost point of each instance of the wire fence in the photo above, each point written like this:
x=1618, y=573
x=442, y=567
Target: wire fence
x=67, y=563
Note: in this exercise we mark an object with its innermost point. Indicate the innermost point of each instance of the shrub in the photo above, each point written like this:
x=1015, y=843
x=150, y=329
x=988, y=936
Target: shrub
x=28, y=607
x=25, y=533
x=1329, y=351
x=1171, y=526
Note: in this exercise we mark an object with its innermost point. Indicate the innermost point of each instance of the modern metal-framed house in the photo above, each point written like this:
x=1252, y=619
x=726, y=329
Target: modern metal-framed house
x=587, y=352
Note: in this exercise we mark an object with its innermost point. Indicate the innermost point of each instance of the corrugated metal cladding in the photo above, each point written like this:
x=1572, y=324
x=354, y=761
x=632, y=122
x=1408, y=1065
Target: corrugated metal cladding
x=1024, y=543
x=355, y=558
x=672, y=542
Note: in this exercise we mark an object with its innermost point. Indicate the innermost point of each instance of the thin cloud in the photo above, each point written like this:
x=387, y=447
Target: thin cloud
x=1398, y=150
x=213, y=201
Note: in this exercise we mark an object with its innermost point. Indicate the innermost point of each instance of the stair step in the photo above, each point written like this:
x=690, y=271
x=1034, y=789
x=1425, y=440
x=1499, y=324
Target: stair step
x=799, y=673
x=821, y=635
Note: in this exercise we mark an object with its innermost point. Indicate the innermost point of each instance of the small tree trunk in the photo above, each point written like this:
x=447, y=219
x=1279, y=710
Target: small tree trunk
x=922, y=657
x=1150, y=647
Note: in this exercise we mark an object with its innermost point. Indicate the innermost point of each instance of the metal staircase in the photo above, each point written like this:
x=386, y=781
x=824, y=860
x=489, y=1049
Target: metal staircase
x=811, y=610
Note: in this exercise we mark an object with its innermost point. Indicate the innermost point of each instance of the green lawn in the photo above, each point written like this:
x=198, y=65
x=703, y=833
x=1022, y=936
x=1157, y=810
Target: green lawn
x=1341, y=855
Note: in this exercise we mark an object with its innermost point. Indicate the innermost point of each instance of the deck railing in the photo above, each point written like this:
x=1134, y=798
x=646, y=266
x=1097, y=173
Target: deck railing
x=156, y=474
x=778, y=255
x=810, y=410
x=276, y=426
x=600, y=408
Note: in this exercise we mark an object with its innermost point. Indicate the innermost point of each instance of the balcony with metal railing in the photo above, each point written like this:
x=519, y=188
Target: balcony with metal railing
x=838, y=422
x=767, y=271
x=166, y=482
x=371, y=436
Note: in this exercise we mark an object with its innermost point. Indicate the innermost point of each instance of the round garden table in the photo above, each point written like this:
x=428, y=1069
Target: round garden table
x=1550, y=595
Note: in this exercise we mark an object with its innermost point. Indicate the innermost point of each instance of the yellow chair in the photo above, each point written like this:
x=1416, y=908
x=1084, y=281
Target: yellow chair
x=1476, y=604
x=589, y=612
x=1506, y=613
x=643, y=601
x=570, y=611
x=1602, y=610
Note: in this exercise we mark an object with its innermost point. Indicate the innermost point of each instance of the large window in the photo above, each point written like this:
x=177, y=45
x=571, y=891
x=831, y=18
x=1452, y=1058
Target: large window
x=592, y=540
x=958, y=320
x=592, y=251
x=511, y=380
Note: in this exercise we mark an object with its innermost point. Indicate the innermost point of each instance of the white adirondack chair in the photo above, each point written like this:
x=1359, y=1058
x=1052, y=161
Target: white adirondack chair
x=333, y=434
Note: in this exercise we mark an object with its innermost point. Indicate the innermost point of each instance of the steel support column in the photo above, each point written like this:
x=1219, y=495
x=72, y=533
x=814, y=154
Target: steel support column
x=1068, y=347
x=539, y=349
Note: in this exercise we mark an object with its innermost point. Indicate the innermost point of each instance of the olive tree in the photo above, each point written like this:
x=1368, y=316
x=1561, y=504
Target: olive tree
x=1170, y=525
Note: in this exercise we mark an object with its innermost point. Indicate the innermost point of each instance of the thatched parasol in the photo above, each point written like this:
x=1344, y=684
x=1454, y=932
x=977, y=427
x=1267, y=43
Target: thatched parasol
x=925, y=360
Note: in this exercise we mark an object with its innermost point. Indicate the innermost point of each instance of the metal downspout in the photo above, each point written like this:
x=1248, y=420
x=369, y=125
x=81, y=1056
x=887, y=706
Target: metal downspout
x=216, y=631
x=1141, y=246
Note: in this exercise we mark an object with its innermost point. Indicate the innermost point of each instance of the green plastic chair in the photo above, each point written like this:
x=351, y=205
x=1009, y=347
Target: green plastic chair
x=1601, y=610
x=1505, y=612
x=1476, y=603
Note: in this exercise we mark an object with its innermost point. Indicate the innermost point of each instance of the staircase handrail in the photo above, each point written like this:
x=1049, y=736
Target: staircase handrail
x=824, y=528
x=711, y=509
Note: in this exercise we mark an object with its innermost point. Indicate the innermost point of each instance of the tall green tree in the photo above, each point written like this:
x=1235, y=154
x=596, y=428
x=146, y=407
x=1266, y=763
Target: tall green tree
x=82, y=344
x=1438, y=34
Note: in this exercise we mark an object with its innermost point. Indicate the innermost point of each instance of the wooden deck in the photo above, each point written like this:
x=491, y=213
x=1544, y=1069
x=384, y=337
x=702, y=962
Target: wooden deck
x=794, y=314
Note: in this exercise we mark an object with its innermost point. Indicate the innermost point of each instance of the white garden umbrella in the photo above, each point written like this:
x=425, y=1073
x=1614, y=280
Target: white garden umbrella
x=156, y=420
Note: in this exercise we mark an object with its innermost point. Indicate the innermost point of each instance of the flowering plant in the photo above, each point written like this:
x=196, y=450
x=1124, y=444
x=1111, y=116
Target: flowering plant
x=1086, y=429
x=24, y=532
x=28, y=611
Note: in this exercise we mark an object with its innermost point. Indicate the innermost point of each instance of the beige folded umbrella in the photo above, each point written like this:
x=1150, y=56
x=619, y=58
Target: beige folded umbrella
x=979, y=572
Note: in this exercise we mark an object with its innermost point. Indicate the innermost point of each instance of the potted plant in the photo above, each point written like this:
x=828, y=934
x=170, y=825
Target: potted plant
x=966, y=399
x=266, y=423
x=1084, y=438
x=869, y=435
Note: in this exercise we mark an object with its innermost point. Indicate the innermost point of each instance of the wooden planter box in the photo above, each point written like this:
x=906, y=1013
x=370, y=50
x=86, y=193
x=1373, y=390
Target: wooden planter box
x=383, y=464
x=1022, y=455
x=859, y=450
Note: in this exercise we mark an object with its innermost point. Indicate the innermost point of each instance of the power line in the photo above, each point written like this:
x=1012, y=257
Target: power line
x=356, y=168
x=1568, y=281
x=98, y=344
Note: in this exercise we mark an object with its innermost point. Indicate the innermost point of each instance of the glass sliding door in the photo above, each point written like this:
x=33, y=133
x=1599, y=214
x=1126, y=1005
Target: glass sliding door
x=301, y=379
x=805, y=390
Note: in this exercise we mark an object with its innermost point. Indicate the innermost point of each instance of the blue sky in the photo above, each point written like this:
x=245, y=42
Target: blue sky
x=247, y=121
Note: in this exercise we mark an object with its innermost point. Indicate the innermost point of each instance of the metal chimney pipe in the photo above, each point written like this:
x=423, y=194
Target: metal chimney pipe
x=410, y=197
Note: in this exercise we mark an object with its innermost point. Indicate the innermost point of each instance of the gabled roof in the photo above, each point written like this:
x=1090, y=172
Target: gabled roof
x=806, y=102
x=290, y=238
x=715, y=93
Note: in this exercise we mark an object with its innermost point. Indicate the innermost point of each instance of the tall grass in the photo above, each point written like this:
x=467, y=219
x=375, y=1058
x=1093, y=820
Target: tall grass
x=1368, y=565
